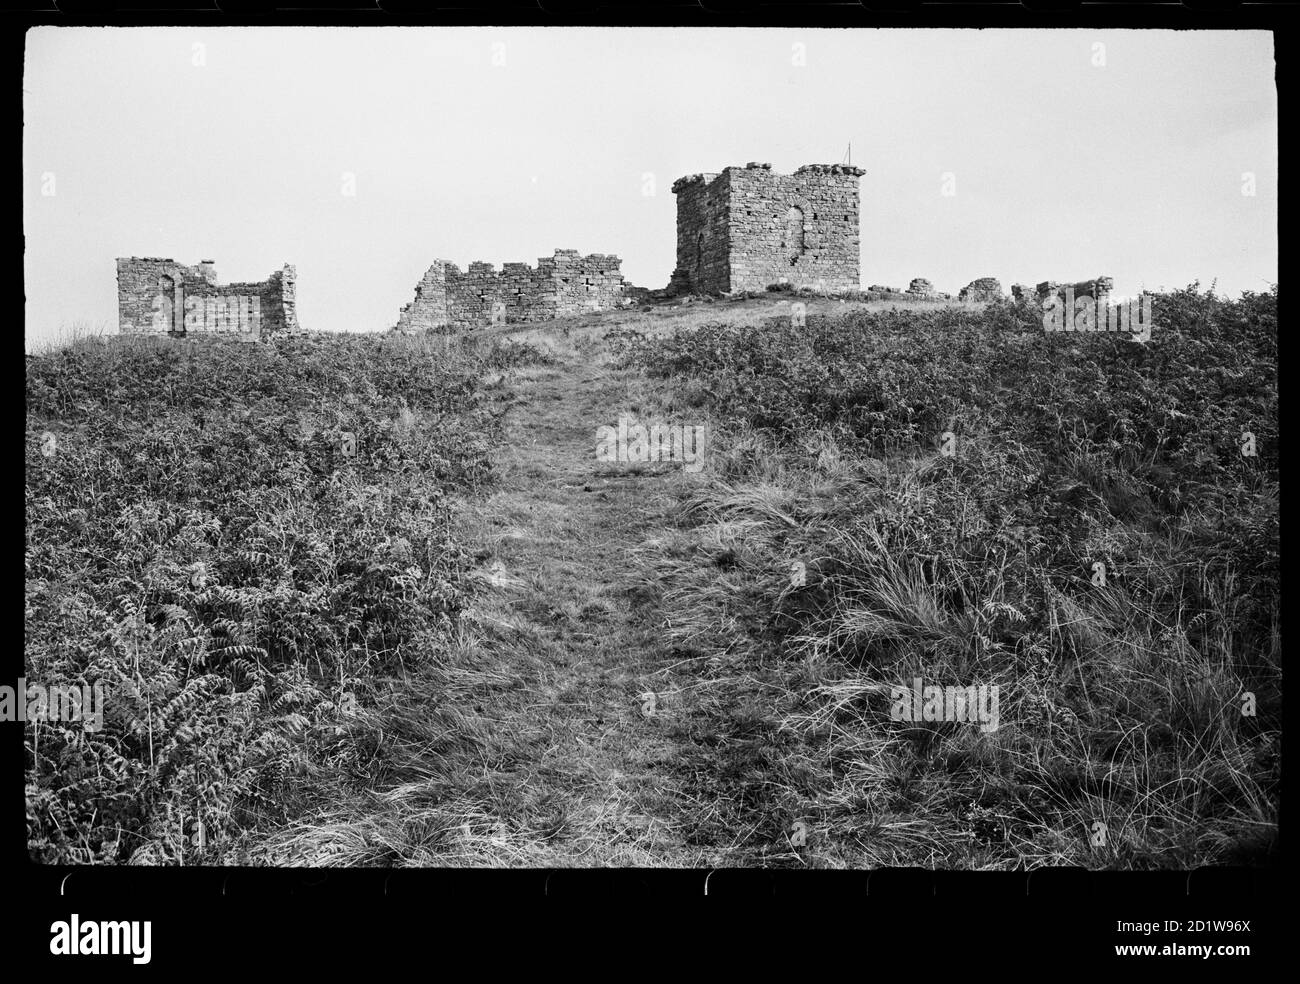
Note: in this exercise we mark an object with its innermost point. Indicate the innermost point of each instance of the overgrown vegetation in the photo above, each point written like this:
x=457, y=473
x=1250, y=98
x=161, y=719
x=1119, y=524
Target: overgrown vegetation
x=973, y=501
x=660, y=667
x=239, y=543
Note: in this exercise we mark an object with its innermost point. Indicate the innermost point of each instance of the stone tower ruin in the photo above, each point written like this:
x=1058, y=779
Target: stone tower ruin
x=747, y=227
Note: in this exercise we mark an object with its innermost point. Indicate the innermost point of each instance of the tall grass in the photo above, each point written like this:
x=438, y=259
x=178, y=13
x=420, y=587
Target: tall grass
x=68, y=334
x=238, y=542
x=951, y=483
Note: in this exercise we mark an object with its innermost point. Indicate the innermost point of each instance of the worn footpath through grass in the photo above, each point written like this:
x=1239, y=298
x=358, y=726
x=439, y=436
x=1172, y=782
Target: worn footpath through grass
x=537, y=741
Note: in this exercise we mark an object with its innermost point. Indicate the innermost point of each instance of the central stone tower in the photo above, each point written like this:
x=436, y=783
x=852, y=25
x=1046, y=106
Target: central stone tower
x=747, y=228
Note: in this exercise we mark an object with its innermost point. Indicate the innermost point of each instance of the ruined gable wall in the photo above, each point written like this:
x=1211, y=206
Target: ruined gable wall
x=428, y=310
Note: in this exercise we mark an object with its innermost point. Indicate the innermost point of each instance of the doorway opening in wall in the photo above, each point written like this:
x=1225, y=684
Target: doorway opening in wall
x=169, y=308
x=794, y=233
x=699, y=258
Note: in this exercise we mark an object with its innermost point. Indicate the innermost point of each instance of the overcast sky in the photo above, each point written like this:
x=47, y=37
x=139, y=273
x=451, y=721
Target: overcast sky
x=1071, y=153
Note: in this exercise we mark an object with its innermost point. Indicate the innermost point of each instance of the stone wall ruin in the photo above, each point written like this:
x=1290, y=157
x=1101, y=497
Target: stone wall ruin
x=1097, y=287
x=158, y=296
x=982, y=289
x=565, y=284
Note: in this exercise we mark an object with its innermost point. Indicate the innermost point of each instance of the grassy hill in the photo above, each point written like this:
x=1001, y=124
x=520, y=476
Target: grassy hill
x=377, y=600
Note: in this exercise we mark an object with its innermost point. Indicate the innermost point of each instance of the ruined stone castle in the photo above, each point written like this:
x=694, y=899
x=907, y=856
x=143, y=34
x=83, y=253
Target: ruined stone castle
x=747, y=227
x=564, y=284
x=742, y=229
x=158, y=296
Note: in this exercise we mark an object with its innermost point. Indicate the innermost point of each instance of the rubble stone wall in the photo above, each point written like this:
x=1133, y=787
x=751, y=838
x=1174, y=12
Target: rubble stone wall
x=158, y=296
x=1097, y=287
x=982, y=289
x=567, y=283
x=429, y=308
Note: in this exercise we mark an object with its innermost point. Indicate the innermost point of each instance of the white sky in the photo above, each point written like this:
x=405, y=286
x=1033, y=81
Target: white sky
x=1064, y=169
